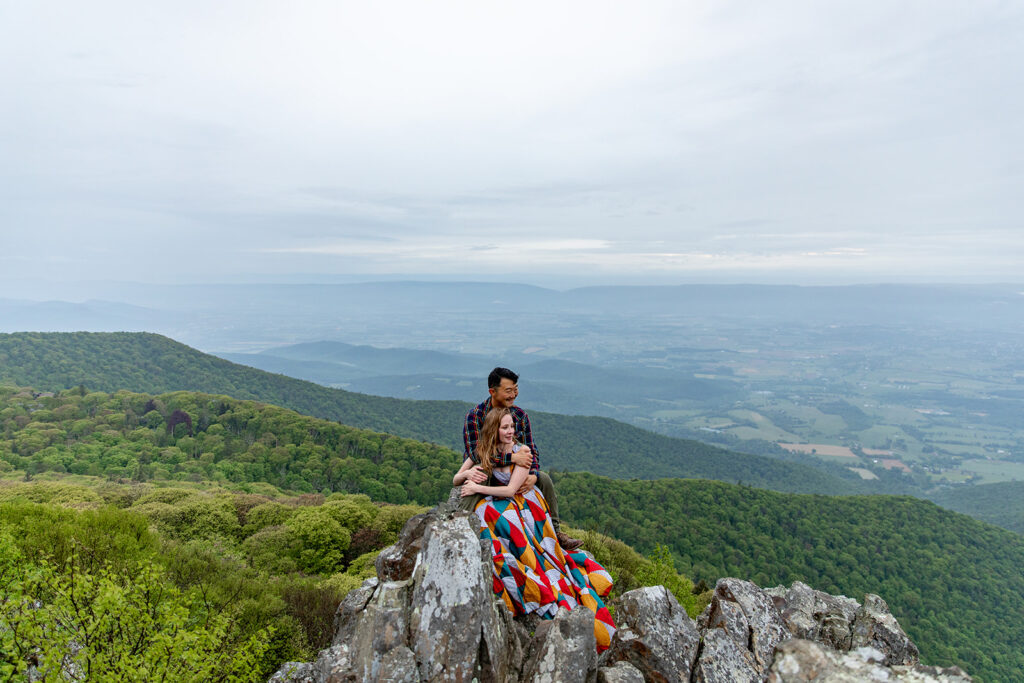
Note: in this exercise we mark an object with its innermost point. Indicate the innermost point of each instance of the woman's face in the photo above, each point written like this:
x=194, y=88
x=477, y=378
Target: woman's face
x=506, y=430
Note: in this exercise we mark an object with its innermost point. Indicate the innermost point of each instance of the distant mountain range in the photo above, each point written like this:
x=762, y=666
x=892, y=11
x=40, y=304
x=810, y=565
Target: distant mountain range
x=548, y=384
x=219, y=316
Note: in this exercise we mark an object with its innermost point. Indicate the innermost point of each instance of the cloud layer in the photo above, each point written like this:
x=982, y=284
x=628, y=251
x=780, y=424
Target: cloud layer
x=849, y=141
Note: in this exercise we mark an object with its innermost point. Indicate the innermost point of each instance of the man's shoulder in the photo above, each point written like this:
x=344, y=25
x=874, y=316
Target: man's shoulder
x=478, y=410
x=517, y=412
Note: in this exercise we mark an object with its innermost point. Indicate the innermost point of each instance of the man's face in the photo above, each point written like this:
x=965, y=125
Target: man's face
x=504, y=395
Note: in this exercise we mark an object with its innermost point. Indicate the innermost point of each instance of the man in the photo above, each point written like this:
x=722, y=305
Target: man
x=503, y=387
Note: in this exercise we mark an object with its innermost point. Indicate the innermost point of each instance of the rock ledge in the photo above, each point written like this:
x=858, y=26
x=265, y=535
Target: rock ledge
x=431, y=616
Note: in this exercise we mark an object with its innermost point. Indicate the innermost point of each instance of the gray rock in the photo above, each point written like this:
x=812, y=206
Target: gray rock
x=335, y=665
x=764, y=625
x=654, y=634
x=621, y=672
x=432, y=616
x=396, y=562
x=564, y=649
x=875, y=626
x=454, y=610
x=382, y=626
x=398, y=666
x=347, y=615
x=728, y=617
x=721, y=660
x=815, y=615
x=920, y=673
x=293, y=672
x=798, y=661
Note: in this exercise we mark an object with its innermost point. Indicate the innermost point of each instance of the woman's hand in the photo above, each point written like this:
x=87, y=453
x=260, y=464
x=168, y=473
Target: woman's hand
x=476, y=474
x=469, y=488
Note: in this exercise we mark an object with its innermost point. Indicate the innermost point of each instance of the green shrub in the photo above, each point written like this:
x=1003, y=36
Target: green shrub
x=271, y=550
x=264, y=515
x=137, y=627
x=322, y=541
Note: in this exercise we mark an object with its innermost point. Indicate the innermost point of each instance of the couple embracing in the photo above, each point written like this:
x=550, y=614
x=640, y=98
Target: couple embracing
x=537, y=567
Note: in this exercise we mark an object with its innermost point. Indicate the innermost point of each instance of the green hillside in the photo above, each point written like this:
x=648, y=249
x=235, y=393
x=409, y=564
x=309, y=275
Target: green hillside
x=195, y=582
x=1001, y=504
x=953, y=582
x=140, y=437
x=165, y=514
x=155, y=364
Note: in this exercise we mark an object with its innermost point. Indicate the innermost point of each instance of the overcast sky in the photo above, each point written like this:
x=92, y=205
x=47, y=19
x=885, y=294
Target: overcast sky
x=806, y=142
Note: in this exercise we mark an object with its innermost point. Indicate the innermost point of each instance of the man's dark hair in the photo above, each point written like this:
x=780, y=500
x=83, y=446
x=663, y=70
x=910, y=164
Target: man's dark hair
x=494, y=379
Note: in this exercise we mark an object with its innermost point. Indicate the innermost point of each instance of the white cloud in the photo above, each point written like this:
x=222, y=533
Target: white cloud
x=659, y=135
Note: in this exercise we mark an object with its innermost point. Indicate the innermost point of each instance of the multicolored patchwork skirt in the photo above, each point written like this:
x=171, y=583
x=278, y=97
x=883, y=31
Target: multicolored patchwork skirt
x=532, y=573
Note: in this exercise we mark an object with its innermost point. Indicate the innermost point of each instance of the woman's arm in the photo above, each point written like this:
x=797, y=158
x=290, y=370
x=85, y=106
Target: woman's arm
x=506, y=491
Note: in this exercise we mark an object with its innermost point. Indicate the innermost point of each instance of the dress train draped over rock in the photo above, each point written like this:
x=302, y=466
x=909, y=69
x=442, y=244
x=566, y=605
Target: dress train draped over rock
x=532, y=573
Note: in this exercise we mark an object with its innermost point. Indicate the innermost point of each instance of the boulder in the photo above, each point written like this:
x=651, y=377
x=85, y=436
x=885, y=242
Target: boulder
x=620, y=672
x=294, y=672
x=814, y=615
x=563, y=649
x=875, y=626
x=431, y=615
x=721, y=660
x=398, y=666
x=799, y=661
x=457, y=627
x=749, y=616
x=654, y=634
x=396, y=562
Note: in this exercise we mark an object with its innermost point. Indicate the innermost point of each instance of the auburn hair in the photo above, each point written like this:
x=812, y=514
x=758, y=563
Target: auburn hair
x=487, y=444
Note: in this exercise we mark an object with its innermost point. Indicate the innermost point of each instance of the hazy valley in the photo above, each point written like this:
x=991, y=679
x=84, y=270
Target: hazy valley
x=926, y=380
x=794, y=390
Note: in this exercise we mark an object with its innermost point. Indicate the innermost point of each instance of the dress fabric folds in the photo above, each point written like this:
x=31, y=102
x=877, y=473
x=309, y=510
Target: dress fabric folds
x=532, y=573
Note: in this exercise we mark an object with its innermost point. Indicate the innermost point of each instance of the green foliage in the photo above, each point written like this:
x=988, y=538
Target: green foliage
x=661, y=571
x=238, y=588
x=105, y=625
x=321, y=538
x=352, y=512
x=145, y=362
x=632, y=570
x=363, y=566
x=953, y=582
x=237, y=443
x=191, y=519
x=271, y=550
x=267, y=514
x=1000, y=504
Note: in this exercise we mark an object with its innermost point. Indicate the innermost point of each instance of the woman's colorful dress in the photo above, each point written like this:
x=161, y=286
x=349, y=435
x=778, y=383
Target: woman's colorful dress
x=532, y=573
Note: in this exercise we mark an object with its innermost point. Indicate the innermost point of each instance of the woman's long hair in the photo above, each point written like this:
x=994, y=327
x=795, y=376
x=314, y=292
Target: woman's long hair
x=487, y=444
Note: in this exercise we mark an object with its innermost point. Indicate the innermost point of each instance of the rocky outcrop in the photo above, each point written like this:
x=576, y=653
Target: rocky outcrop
x=805, y=660
x=431, y=615
x=655, y=635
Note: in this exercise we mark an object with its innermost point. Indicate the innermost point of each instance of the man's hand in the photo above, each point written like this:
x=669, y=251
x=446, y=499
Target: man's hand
x=531, y=479
x=476, y=474
x=523, y=457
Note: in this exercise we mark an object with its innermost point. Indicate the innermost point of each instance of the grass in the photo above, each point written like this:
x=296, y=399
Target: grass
x=993, y=471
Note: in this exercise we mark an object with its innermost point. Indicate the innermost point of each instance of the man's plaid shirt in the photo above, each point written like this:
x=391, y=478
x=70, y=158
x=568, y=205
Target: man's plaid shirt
x=471, y=432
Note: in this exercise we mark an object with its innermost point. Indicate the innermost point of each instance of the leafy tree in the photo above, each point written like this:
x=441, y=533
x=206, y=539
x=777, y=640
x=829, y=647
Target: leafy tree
x=321, y=540
x=102, y=625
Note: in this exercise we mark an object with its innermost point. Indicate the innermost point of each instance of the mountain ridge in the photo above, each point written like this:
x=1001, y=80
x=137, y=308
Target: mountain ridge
x=155, y=364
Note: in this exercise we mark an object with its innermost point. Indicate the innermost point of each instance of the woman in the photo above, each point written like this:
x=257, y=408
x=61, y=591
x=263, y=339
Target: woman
x=532, y=573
